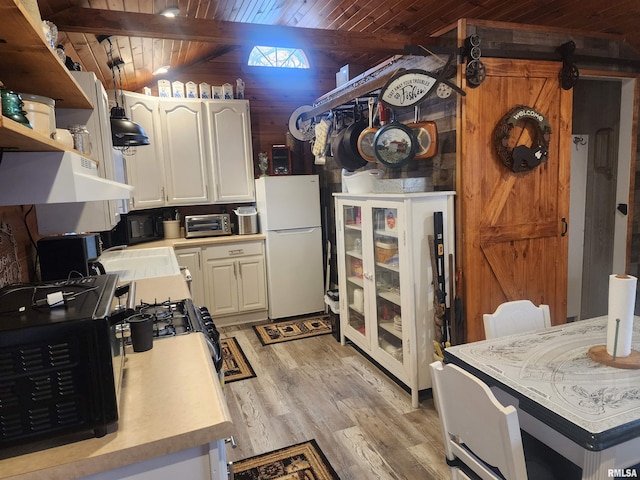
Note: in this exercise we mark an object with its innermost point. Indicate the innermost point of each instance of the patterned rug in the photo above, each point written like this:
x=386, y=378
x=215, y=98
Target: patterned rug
x=235, y=364
x=287, y=330
x=302, y=461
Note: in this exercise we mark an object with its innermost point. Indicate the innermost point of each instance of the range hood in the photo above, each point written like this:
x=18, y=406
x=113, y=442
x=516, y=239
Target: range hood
x=54, y=177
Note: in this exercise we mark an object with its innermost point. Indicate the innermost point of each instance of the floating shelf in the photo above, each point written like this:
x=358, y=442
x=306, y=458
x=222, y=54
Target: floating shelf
x=16, y=137
x=29, y=65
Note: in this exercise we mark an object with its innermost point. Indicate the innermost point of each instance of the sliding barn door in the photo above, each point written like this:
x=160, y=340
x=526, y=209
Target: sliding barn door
x=513, y=227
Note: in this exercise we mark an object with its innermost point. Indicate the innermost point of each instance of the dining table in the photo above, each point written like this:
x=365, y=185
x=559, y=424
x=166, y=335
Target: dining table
x=587, y=411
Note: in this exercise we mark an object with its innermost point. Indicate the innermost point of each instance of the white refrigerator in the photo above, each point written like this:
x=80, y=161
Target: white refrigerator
x=289, y=216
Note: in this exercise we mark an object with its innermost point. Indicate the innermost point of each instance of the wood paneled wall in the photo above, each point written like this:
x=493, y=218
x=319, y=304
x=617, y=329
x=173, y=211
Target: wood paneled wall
x=17, y=252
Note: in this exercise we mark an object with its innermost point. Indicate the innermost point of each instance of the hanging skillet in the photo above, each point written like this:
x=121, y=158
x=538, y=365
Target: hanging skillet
x=365, y=140
x=342, y=155
x=426, y=134
x=351, y=136
x=394, y=145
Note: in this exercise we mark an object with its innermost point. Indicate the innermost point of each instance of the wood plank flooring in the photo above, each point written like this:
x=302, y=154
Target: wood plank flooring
x=316, y=388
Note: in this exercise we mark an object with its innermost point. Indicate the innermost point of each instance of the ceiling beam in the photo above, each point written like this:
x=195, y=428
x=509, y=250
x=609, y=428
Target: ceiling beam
x=131, y=24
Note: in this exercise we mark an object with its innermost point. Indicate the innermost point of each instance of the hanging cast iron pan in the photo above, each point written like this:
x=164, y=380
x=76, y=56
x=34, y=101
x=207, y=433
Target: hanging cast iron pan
x=426, y=134
x=394, y=144
x=342, y=155
x=350, y=139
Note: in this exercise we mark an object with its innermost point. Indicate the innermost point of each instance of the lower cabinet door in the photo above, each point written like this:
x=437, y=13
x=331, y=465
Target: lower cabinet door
x=223, y=287
x=190, y=258
x=252, y=294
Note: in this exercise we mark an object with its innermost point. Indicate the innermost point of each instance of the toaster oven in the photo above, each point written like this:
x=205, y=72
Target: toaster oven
x=61, y=362
x=207, y=225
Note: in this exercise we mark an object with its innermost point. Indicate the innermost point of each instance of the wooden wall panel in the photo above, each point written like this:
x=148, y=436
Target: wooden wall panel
x=17, y=253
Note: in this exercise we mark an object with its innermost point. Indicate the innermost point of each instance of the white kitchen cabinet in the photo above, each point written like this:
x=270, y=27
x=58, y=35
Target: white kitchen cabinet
x=172, y=169
x=229, y=129
x=88, y=216
x=191, y=258
x=185, y=159
x=385, y=278
x=235, y=282
x=145, y=168
x=200, y=152
x=229, y=279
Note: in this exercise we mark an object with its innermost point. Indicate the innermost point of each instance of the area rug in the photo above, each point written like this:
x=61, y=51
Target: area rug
x=287, y=330
x=235, y=364
x=302, y=461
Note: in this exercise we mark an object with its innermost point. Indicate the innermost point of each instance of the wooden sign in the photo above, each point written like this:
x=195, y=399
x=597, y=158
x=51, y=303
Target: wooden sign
x=407, y=88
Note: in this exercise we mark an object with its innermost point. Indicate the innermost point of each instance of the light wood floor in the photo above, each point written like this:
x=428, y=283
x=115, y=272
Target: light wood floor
x=316, y=388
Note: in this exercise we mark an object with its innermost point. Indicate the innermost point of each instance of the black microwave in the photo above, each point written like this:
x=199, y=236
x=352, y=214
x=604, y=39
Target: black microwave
x=136, y=228
x=61, y=363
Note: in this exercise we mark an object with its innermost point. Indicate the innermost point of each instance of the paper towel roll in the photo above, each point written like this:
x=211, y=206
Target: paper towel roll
x=622, y=298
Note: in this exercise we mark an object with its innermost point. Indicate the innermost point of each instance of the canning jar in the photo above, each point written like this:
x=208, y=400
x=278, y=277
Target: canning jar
x=81, y=138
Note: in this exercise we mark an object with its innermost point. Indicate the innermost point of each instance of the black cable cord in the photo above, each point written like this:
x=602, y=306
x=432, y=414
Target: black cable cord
x=33, y=242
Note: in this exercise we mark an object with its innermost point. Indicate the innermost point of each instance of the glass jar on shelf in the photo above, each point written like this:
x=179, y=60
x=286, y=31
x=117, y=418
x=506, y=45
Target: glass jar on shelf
x=81, y=138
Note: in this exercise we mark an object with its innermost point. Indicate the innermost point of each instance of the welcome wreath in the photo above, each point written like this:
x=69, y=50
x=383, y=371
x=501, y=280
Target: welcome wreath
x=522, y=158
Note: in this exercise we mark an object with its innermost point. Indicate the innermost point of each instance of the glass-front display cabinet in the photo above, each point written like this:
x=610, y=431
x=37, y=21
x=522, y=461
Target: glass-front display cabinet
x=385, y=279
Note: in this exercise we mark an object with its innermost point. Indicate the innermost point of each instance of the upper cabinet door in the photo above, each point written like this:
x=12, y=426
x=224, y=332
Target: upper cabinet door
x=229, y=129
x=145, y=170
x=184, y=152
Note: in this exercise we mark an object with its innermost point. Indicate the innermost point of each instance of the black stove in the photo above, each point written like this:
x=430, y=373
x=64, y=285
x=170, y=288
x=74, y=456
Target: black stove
x=180, y=317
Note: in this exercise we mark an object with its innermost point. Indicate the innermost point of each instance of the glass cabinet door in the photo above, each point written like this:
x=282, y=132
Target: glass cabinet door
x=387, y=281
x=352, y=215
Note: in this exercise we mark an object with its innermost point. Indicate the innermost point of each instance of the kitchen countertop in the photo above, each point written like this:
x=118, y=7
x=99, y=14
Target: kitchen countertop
x=199, y=242
x=145, y=431
x=150, y=290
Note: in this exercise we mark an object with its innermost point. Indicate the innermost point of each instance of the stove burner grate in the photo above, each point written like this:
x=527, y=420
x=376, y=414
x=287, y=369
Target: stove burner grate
x=169, y=317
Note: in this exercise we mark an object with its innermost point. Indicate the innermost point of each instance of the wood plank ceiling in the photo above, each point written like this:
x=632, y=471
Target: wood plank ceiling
x=362, y=32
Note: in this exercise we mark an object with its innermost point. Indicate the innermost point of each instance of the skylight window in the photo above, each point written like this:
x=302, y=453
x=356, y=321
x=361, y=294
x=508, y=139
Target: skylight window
x=278, y=57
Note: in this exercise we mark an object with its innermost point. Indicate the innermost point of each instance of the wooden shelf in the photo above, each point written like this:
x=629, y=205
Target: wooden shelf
x=391, y=297
x=27, y=63
x=393, y=268
x=16, y=137
x=385, y=233
x=388, y=327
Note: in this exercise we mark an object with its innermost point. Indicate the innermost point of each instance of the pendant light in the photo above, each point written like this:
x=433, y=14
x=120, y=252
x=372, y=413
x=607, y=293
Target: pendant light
x=125, y=134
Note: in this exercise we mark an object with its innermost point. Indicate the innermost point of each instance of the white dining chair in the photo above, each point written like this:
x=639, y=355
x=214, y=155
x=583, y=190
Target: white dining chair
x=482, y=438
x=516, y=317
x=479, y=433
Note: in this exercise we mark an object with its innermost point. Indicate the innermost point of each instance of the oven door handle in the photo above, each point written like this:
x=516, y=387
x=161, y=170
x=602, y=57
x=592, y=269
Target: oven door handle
x=215, y=352
x=121, y=314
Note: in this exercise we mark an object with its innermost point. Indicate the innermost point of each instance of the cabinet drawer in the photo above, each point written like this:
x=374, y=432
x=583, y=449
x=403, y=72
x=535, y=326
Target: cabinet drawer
x=231, y=250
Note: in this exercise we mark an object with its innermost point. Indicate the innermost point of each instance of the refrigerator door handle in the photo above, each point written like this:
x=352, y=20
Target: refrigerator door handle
x=295, y=231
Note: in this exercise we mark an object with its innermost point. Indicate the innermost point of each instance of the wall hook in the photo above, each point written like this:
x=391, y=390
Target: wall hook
x=579, y=141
